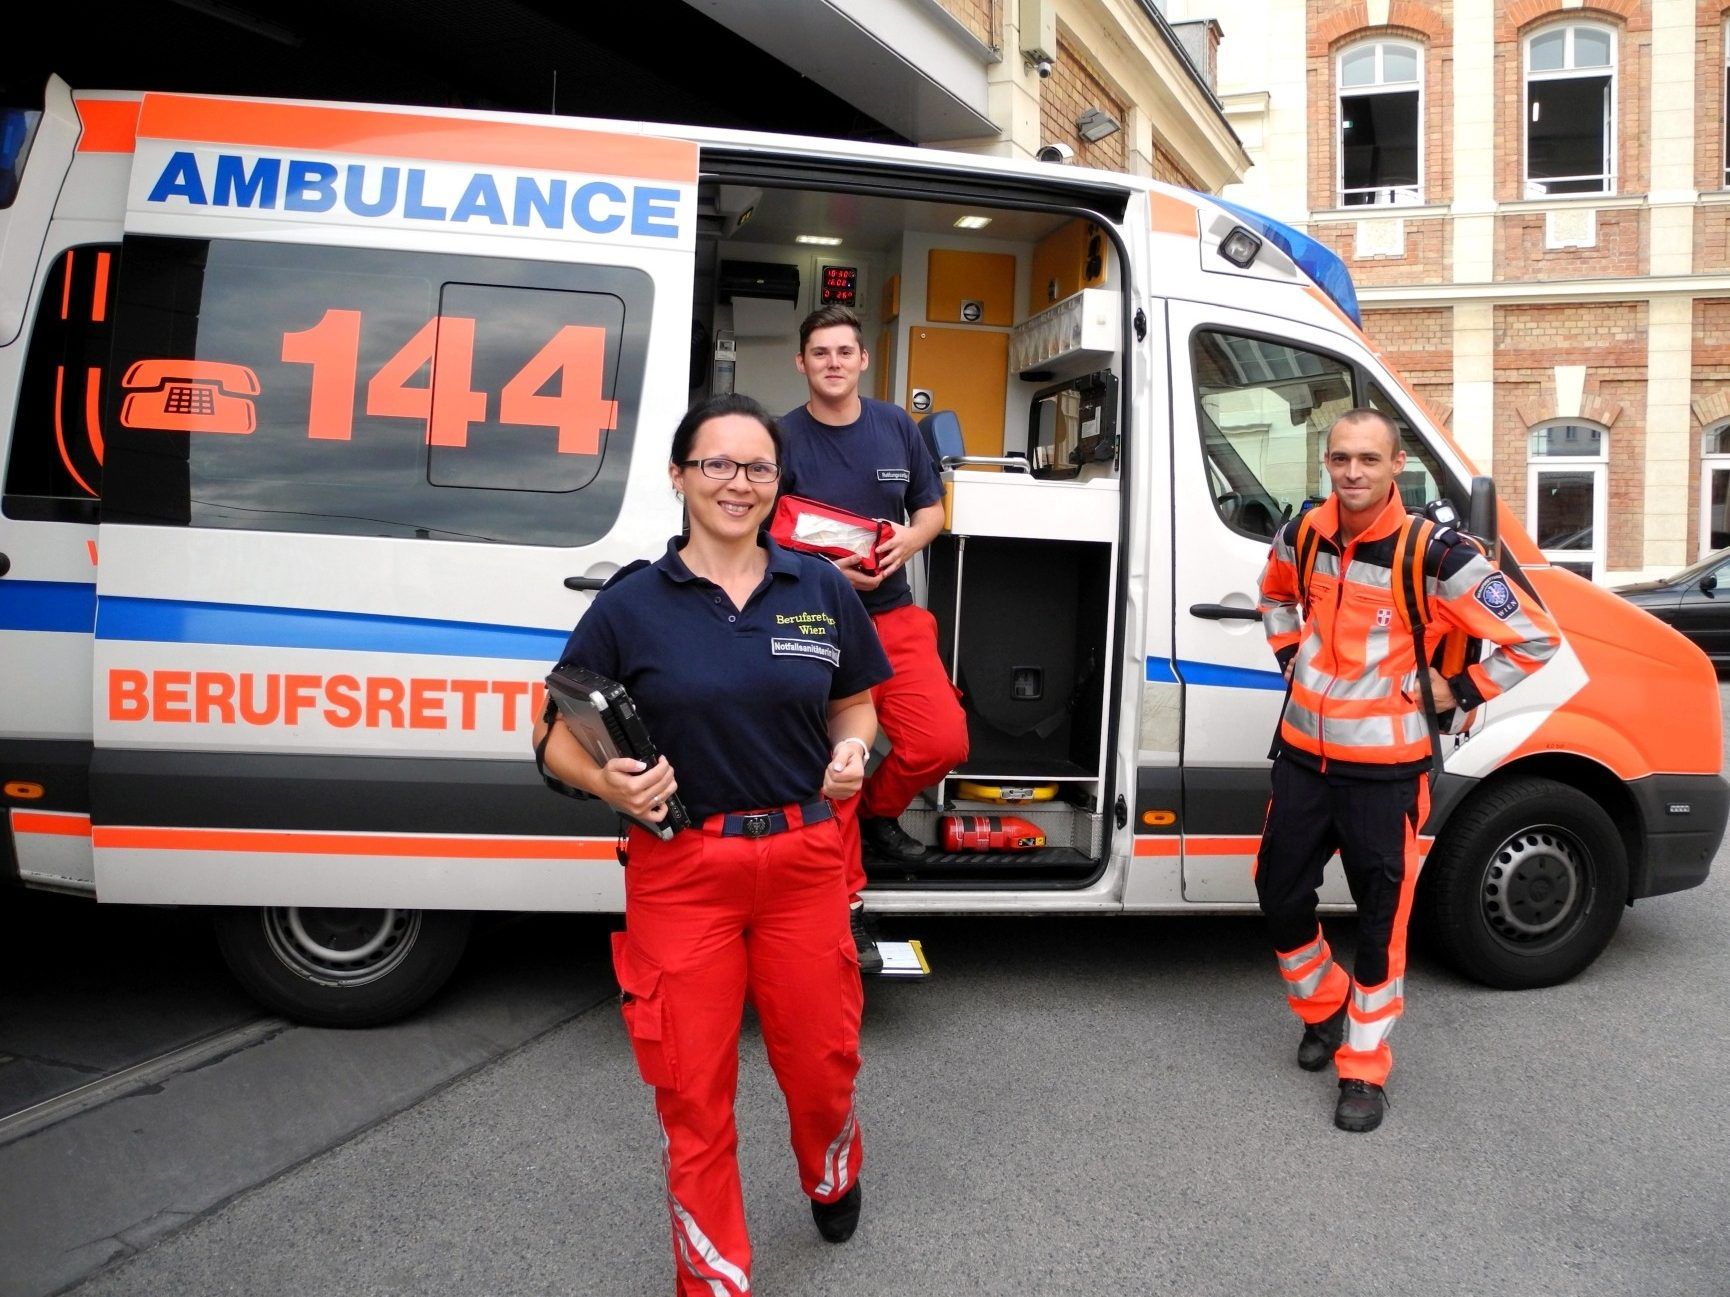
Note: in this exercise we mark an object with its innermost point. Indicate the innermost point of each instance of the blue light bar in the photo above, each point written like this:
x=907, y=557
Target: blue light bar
x=1315, y=259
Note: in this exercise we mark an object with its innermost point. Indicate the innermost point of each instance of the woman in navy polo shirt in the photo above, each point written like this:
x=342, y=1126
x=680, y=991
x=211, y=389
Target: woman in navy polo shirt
x=752, y=666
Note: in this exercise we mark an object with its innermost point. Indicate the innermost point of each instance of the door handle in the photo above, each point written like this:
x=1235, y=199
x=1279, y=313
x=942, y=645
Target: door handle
x=585, y=582
x=1223, y=612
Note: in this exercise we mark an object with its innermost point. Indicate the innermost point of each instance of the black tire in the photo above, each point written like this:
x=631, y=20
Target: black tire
x=341, y=967
x=1526, y=886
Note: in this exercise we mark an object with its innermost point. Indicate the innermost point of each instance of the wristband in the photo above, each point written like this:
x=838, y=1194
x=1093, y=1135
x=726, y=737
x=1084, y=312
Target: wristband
x=864, y=748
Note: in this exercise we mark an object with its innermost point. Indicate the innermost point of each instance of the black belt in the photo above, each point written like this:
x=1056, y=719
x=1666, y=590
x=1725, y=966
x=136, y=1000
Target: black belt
x=761, y=824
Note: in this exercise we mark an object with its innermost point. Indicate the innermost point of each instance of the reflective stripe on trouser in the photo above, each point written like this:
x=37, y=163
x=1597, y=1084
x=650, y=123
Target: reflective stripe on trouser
x=1315, y=986
x=709, y=920
x=920, y=715
x=1373, y=824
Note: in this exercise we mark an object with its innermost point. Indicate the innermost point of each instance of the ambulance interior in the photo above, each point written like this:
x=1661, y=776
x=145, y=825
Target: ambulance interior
x=1000, y=331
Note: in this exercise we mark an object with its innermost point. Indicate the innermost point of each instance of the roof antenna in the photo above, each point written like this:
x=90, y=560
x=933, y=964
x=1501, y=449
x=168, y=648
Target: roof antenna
x=555, y=108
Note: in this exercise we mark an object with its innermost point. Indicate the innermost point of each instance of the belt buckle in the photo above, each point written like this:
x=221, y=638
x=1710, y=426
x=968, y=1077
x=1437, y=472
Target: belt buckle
x=755, y=826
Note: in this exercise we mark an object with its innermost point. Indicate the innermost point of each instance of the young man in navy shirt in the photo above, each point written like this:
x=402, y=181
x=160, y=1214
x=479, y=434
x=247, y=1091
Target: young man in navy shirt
x=868, y=457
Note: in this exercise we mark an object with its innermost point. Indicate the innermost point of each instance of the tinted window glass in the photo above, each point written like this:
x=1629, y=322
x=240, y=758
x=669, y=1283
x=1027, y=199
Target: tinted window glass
x=291, y=388
x=54, y=471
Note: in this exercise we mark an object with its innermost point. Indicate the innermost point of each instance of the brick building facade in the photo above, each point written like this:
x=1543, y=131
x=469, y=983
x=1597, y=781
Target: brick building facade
x=1532, y=199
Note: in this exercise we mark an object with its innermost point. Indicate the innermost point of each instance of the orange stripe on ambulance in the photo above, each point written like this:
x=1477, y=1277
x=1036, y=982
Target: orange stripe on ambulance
x=267, y=698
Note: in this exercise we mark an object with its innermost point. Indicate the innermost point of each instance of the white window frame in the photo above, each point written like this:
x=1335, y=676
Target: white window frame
x=1540, y=466
x=1402, y=196
x=1724, y=101
x=1712, y=459
x=1534, y=188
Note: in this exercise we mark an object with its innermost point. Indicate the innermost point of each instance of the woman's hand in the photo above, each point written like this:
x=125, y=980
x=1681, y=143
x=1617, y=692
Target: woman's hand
x=845, y=773
x=625, y=785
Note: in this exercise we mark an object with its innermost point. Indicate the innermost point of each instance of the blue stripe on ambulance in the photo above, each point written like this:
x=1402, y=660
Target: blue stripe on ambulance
x=1184, y=671
x=176, y=621
x=68, y=606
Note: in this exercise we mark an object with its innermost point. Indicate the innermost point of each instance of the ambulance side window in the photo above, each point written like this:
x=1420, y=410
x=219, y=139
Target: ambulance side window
x=371, y=392
x=54, y=470
x=1264, y=408
x=1420, y=480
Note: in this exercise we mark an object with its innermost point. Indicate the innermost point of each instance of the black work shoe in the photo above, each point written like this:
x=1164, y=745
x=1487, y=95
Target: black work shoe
x=1321, y=1039
x=1361, y=1106
x=865, y=941
x=837, y=1220
x=885, y=837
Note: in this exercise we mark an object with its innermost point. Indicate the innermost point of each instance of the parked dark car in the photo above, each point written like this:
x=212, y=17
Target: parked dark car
x=1696, y=601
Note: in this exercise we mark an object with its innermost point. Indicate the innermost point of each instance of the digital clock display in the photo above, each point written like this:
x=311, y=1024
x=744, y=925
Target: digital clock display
x=840, y=286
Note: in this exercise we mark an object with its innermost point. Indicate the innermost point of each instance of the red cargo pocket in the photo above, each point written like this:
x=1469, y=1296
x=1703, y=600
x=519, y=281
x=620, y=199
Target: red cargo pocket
x=850, y=994
x=643, y=1004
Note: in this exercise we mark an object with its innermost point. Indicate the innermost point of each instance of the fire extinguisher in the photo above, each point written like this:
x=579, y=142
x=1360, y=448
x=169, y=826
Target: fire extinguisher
x=990, y=833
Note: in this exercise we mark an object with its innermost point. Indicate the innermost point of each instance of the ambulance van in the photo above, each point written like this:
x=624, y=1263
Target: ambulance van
x=323, y=422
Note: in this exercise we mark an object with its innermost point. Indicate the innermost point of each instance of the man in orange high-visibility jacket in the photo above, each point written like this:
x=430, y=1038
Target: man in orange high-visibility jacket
x=1351, y=772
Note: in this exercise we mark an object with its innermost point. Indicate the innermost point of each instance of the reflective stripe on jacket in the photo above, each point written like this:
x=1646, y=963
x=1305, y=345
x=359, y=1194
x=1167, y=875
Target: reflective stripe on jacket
x=1354, y=691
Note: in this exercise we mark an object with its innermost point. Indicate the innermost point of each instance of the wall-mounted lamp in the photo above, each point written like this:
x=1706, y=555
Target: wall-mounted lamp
x=1094, y=125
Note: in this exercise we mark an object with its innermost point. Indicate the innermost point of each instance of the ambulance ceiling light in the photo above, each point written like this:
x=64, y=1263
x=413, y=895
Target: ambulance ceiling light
x=972, y=222
x=1320, y=262
x=1094, y=125
x=822, y=240
x=1240, y=247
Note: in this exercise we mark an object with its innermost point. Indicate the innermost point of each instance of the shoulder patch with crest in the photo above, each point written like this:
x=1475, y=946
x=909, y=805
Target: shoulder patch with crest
x=1496, y=595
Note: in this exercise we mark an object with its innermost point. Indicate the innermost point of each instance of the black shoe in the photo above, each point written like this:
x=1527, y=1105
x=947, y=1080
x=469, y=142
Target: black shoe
x=837, y=1220
x=1321, y=1039
x=1361, y=1106
x=865, y=940
x=885, y=837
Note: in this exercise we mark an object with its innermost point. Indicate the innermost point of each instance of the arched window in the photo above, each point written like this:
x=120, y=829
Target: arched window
x=1566, y=494
x=1381, y=124
x=1570, y=110
x=1715, y=488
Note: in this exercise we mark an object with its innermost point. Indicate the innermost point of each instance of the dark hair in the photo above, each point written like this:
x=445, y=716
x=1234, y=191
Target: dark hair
x=829, y=317
x=1362, y=415
x=714, y=408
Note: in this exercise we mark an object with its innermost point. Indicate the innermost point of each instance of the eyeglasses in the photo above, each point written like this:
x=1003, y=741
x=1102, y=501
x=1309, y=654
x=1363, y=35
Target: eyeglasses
x=722, y=469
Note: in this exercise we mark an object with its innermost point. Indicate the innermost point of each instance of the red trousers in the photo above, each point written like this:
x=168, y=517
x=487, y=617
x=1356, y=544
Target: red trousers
x=919, y=713
x=709, y=920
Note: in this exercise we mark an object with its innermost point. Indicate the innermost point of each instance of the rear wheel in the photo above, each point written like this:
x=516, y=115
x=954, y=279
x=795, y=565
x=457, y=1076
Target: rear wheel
x=341, y=967
x=1526, y=885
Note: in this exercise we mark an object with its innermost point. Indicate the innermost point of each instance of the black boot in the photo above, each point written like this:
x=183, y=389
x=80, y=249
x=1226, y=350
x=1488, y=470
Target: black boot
x=837, y=1220
x=886, y=838
x=865, y=941
x=1361, y=1106
x=1321, y=1039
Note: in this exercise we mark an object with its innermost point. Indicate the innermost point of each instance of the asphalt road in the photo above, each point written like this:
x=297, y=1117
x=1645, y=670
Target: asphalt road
x=1083, y=1106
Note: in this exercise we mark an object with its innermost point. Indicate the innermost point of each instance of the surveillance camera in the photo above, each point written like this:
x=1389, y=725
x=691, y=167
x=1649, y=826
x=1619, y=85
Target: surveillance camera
x=1043, y=67
x=1055, y=153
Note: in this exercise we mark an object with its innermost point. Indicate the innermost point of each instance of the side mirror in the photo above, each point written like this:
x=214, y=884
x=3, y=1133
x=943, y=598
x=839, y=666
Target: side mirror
x=1481, y=514
x=1709, y=583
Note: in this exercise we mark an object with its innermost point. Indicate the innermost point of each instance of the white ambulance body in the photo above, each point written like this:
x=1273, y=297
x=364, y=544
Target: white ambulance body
x=325, y=419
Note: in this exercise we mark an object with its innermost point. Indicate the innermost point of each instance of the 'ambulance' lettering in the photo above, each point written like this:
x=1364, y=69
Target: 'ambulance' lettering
x=383, y=191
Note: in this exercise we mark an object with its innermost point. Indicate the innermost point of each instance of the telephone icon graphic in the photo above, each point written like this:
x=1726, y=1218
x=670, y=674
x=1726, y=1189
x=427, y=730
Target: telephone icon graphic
x=189, y=396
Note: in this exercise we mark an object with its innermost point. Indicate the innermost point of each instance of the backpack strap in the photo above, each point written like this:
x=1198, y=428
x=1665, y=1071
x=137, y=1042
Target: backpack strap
x=1412, y=606
x=1308, y=541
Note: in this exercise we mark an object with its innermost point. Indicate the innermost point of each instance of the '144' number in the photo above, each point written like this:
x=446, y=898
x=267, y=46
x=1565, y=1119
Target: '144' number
x=447, y=403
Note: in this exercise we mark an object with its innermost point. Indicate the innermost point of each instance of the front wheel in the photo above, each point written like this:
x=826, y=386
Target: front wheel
x=1526, y=885
x=341, y=967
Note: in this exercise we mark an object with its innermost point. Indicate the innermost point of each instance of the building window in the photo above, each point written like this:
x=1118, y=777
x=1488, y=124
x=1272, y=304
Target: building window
x=1566, y=494
x=1724, y=115
x=1570, y=111
x=1380, y=116
x=1715, y=488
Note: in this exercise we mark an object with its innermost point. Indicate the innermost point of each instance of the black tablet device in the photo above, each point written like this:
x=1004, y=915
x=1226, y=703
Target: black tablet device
x=600, y=714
